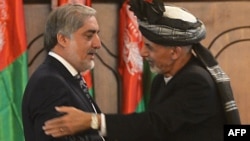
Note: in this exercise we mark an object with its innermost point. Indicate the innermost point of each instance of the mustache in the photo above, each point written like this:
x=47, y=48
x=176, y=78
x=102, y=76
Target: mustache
x=148, y=59
x=92, y=51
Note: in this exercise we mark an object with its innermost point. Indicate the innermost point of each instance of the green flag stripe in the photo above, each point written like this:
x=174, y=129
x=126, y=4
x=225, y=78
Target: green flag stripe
x=13, y=80
x=91, y=92
x=141, y=106
x=147, y=80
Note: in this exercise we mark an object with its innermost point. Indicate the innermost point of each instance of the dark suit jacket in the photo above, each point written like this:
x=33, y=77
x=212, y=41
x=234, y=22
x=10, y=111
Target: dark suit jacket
x=52, y=85
x=188, y=108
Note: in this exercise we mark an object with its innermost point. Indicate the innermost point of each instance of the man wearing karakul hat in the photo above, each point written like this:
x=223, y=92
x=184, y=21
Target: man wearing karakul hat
x=185, y=104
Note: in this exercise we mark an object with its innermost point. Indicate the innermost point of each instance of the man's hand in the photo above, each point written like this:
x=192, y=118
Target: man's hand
x=73, y=121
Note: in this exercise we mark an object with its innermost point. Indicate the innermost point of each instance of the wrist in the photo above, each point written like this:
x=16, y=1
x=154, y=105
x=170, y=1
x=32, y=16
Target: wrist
x=95, y=122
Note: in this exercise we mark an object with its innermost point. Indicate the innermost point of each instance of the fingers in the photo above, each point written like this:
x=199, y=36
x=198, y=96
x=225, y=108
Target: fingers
x=53, y=126
x=56, y=132
x=53, y=123
x=64, y=109
x=70, y=122
x=56, y=127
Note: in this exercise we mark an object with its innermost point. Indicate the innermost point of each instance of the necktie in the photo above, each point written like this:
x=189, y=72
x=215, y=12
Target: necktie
x=85, y=90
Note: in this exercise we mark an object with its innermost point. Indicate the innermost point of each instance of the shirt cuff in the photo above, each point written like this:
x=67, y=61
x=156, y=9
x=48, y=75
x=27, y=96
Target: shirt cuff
x=103, y=131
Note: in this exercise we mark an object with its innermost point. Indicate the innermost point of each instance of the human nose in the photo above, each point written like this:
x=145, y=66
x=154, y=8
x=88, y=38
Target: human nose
x=96, y=42
x=143, y=51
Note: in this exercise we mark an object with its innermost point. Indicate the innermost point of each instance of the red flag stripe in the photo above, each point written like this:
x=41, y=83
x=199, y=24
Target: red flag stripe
x=130, y=61
x=88, y=2
x=12, y=39
x=85, y=2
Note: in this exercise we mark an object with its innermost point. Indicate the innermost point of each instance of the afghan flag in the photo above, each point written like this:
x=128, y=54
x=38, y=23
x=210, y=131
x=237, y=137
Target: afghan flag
x=13, y=69
x=130, y=62
x=88, y=74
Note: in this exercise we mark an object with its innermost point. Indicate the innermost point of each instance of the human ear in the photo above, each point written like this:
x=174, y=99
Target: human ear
x=62, y=40
x=175, y=52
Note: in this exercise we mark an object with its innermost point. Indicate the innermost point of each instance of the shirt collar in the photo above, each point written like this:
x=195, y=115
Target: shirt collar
x=167, y=79
x=65, y=63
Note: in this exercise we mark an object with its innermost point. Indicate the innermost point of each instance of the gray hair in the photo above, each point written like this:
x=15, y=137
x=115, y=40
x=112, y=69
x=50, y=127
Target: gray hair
x=65, y=20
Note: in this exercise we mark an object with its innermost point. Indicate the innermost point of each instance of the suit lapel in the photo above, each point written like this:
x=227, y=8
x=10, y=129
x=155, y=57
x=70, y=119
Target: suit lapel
x=73, y=84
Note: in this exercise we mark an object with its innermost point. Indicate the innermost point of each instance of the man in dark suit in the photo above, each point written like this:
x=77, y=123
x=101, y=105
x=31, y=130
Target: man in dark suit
x=71, y=39
x=184, y=103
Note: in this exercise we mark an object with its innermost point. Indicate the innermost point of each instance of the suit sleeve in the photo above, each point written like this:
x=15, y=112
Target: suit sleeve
x=44, y=97
x=171, y=108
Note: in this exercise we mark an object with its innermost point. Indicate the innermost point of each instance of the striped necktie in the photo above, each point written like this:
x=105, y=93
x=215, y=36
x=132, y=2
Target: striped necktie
x=85, y=90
